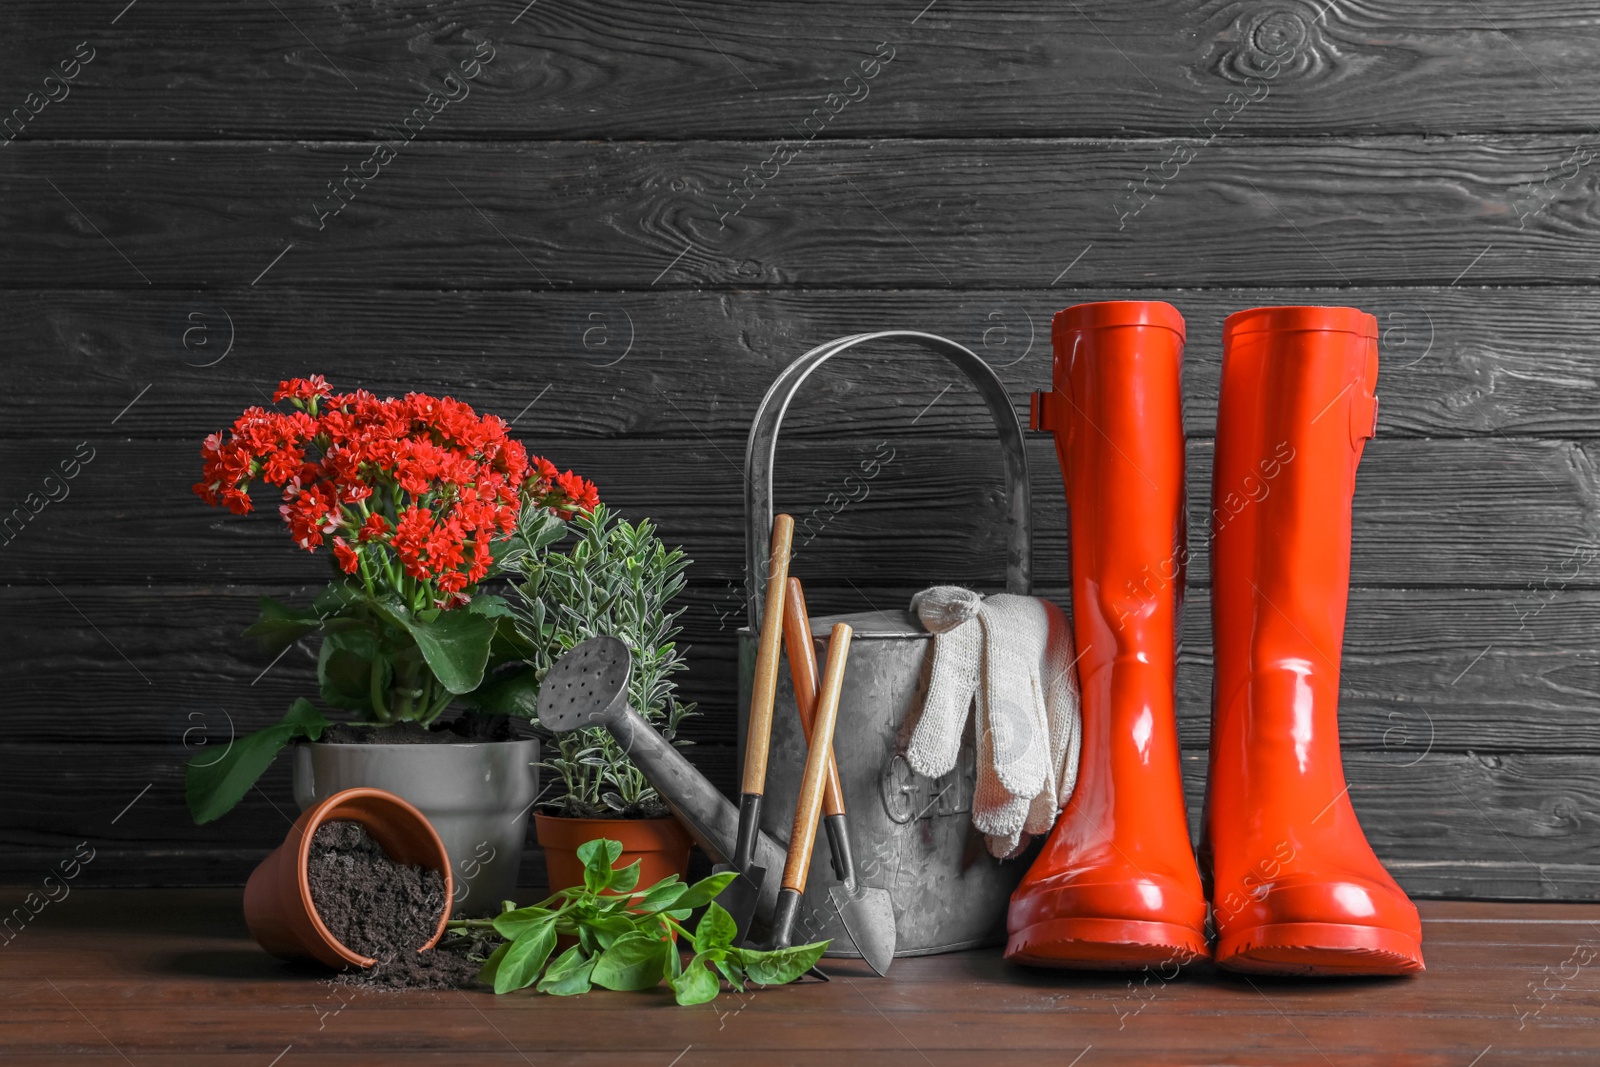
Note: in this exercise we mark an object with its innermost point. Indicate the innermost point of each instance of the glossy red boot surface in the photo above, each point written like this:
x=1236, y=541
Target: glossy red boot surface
x=1116, y=885
x=1296, y=889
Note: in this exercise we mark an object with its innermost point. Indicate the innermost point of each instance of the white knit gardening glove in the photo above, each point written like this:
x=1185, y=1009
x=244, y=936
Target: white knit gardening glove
x=1018, y=662
x=950, y=613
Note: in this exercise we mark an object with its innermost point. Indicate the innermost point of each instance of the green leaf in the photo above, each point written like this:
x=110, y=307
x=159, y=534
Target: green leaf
x=280, y=626
x=489, y=606
x=214, y=784
x=597, y=856
x=706, y=890
x=608, y=929
x=491, y=966
x=515, y=693
x=779, y=966
x=664, y=894
x=513, y=924
x=568, y=975
x=525, y=959
x=624, y=880
x=696, y=985
x=344, y=669
x=715, y=930
x=731, y=969
x=637, y=961
x=456, y=646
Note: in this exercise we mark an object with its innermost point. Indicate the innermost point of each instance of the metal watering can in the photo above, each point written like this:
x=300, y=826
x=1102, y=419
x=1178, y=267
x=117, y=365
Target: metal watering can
x=911, y=835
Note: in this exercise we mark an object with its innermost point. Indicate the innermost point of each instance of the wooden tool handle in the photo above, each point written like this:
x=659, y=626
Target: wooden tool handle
x=806, y=811
x=758, y=729
x=803, y=672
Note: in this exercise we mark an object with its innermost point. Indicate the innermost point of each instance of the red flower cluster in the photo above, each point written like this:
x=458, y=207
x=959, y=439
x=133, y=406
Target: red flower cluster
x=424, y=482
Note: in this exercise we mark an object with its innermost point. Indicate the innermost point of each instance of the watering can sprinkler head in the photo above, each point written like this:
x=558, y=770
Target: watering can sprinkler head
x=587, y=687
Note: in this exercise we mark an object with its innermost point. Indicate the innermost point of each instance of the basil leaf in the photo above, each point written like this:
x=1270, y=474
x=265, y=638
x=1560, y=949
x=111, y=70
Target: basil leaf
x=624, y=880
x=525, y=959
x=637, y=961
x=491, y=966
x=715, y=930
x=568, y=975
x=664, y=894
x=780, y=966
x=731, y=969
x=597, y=856
x=705, y=890
x=696, y=985
x=608, y=929
x=513, y=924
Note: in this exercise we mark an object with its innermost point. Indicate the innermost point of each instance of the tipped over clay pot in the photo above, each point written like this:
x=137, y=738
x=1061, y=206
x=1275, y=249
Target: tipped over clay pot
x=277, y=898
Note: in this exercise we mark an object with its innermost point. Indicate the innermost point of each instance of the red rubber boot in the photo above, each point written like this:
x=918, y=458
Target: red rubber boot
x=1116, y=886
x=1295, y=887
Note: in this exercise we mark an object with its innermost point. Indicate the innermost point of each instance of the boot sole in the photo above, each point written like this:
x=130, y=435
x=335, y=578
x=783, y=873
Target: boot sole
x=1105, y=944
x=1320, y=949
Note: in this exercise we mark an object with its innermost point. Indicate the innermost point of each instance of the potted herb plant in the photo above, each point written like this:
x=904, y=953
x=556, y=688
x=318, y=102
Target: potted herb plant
x=615, y=578
x=414, y=498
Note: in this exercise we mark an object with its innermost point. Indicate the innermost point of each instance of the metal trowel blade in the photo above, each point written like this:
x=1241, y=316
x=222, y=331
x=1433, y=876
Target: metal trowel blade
x=868, y=917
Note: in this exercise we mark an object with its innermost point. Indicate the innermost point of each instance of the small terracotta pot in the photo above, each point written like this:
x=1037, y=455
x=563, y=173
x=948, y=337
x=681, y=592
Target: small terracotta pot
x=277, y=898
x=661, y=845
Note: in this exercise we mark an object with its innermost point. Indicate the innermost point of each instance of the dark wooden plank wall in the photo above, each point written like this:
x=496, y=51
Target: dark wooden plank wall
x=565, y=241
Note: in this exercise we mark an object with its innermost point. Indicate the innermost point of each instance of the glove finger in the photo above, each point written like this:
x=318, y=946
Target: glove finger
x=1014, y=630
x=995, y=809
x=1042, y=813
x=952, y=681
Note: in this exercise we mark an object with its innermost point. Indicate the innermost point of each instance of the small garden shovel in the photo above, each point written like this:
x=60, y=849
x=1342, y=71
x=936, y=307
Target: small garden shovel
x=867, y=912
x=818, y=755
x=741, y=894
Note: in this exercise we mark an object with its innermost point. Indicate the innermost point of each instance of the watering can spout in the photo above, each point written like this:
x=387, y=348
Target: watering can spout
x=589, y=687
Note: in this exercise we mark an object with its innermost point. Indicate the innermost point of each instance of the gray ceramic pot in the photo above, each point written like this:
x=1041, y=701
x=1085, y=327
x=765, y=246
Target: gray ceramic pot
x=476, y=796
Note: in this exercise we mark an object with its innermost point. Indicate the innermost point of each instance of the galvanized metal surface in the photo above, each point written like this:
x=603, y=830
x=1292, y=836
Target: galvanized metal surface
x=476, y=796
x=589, y=687
x=912, y=835
x=762, y=444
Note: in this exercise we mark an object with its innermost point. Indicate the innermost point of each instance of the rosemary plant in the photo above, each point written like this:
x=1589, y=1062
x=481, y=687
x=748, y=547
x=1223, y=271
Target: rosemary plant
x=616, y=578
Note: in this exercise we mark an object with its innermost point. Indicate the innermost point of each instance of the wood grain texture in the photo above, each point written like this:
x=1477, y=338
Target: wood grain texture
x=1475, y=513
x=1518, y=362
x=101, y=975
x=697, y=68
x=635, y=215
x=566, y=246
x=1522, y=820
x=1423, y=670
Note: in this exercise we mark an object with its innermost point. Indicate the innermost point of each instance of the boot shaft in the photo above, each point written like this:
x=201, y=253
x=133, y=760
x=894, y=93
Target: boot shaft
x=1117, y=414
x=1296, y=409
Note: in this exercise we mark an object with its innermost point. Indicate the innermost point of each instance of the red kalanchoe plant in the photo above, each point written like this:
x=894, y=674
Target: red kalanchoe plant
x=414, y=498
x=409, y=493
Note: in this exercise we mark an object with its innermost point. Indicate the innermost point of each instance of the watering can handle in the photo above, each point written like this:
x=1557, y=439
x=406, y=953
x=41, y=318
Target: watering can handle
x=762, y=447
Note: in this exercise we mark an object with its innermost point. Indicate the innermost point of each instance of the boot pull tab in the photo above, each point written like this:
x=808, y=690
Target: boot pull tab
x=1364, y=405
x=1042, y=412
x=1363, y=417
x=1045, y=415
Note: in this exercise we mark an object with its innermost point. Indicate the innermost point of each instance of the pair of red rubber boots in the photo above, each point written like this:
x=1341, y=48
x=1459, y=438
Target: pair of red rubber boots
x=1293, y=885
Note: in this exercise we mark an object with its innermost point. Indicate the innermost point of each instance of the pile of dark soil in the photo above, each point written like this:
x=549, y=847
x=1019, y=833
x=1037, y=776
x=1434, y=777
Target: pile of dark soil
x=383, y=909
x=468, y=728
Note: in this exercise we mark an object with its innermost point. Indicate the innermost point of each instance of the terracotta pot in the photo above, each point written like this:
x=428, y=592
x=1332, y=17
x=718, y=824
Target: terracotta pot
x=661, y=846
x=277, y=898
x=475, y=795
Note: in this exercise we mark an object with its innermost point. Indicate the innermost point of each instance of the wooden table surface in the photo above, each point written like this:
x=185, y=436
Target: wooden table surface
x=118, y=976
